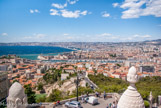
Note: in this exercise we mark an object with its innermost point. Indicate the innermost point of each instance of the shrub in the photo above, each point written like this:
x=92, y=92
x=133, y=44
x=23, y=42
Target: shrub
x=56, y=95
x=146, y=103
x=41, y=98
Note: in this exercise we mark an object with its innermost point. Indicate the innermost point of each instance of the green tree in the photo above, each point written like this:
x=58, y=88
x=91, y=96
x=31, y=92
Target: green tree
x=14, y=81
x=82, y=91
x=118, y=65
x=52, y=76
x=40, y=86
x=147, y=84
x=113, y=55
x=95, y=71
x=144, y=85
x=87, y=85
x=144, y=93
x=30, y=94
x=108, y=84
x=56, y=95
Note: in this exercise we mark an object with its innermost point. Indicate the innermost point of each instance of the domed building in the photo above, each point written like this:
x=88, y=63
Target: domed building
x=17, y=98
x=131, y=98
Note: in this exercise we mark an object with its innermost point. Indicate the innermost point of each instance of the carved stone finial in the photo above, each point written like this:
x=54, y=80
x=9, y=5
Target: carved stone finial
x=17, y=98
x=132, y=76
x=131, y=98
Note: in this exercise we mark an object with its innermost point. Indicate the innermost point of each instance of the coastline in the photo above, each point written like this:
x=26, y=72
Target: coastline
x=30, y=49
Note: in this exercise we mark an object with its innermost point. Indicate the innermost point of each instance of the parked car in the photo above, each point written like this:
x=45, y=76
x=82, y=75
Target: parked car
x=73, y=104
x=92, y=100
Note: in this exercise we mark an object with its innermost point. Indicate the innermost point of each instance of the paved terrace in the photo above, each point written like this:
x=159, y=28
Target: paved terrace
x=102, y=103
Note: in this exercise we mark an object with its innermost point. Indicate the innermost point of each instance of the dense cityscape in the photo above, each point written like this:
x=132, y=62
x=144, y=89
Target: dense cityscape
x=59, y=73
x=80, y=53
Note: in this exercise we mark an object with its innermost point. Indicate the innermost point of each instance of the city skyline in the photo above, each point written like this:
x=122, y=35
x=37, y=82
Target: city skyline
x=79, y=20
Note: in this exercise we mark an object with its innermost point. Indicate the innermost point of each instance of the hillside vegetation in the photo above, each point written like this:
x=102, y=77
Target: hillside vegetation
x=144, y=85
x=108, y=84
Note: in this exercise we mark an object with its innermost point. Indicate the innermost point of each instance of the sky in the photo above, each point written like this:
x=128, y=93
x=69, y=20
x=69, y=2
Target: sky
x=79, y=20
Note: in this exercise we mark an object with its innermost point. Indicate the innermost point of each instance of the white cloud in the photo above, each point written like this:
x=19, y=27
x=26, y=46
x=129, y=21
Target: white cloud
x=146, y=36
x=34, y=11
x=70, y=37
x=115, y=5
x=31, y=11
x=141, y=36
x=105, y=14
x=28, y=37
x=36, y=37
x=4, y=34
x=136, y=35
x=84, y=12
x=59, y=6
x=65, y=13
x=72, y=1
x=65, y=34
x=68, y=14
x=114, y=37
x=135, y=9
x=39, y=35
x=85, y=38
x=54, y=12
x=153, y=8
x=105, y=34
x=72, y=14
x=129, y=38
x=105, y=37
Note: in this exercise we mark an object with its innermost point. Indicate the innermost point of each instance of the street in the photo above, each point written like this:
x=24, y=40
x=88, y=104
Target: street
x=88, y=80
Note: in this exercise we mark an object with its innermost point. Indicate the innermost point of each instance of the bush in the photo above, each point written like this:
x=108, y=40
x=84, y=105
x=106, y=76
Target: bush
x=40, y=86
x=56, y=95
x=30, y=94
x=146, y=103
x=40, y=98
x=82, y=91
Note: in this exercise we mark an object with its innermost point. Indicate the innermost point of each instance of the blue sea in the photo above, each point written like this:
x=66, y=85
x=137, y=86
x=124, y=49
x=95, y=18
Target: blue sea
x=31, y=52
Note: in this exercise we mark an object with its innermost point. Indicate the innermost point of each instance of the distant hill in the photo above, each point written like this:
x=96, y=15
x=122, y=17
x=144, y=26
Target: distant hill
x=156, y=42
x=68, y=44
